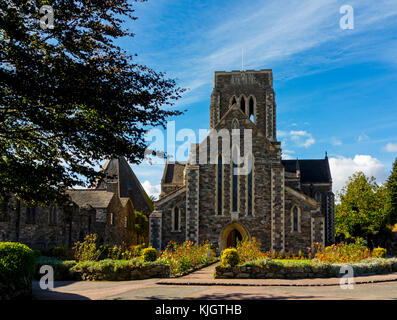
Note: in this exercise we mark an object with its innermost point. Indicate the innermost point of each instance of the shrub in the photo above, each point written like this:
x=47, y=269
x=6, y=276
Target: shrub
x=249, y=250
x=62, y=268
x=379, y=253
x=17, y=261
x=87, y=250
x=149, y=254
x=59, y=252
x=230, y=257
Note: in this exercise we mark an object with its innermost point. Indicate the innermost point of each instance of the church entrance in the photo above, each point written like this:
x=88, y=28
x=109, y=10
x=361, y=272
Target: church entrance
x=231, y=234
x=232, y=239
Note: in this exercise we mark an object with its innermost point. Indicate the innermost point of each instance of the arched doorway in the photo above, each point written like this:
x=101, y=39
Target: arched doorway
x=232, y=233
x=233, y=237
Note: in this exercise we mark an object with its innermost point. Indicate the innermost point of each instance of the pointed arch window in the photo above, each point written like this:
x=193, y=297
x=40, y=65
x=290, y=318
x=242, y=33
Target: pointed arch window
x=251, y=109
x=219, y=186
x=31, y=215
x=234, y=179
x=52, y=219
x=176, y=219
x=249, y=187
x=234, y=101
x=317, y=196
x=296, y=219
x=242, y=104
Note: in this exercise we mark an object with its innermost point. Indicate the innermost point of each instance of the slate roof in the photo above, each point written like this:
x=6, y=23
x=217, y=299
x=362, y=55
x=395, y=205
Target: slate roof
x=94, y=198
x=311, y=170
x=119, y=170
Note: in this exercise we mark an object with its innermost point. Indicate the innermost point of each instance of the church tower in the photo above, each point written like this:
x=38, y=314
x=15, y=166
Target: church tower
x=252, y=91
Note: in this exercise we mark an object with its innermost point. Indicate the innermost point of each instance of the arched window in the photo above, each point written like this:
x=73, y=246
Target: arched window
x=4, y=210
x=249, y=187
x=219, y=186
x=251, y=110
x=242, y=104
x=317, y=196
x=234, y=101
x=234, y=179
x=30, y=215
x=235, y=124
x=176, y=219
x=295, y=219
x=52, y=219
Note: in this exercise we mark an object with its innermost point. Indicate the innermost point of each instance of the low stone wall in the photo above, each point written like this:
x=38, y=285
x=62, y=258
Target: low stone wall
x=135, y=273
x=254, y=272
x=277, y=270
x=16, y=290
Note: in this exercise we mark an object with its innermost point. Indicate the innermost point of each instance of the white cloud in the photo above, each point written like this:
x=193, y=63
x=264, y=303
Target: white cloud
x=391, y=147
x=336, y=142
x=302, y=138
x=362, y=137
x=151, y=190
x=342, y=168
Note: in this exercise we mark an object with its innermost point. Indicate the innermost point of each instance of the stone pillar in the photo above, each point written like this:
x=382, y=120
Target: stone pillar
x=317, y=228
x=192, y=202
x=277, y=209
x=155, y=226
x=330, y=223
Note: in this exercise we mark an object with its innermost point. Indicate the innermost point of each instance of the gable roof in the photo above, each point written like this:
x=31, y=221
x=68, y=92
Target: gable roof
x=311, y=170
x=118, y=170
x=94, y=198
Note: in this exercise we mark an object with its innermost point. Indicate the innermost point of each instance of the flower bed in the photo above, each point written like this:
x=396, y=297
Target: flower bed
x=187, y=257
x=128, y=263
x=278, y=269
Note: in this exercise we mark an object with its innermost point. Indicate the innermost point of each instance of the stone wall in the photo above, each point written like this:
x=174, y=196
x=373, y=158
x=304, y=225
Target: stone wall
x=45, y=227
x=256, y=272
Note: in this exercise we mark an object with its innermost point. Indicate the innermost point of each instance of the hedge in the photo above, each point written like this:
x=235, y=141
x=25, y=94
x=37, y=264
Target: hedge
x=17, y=265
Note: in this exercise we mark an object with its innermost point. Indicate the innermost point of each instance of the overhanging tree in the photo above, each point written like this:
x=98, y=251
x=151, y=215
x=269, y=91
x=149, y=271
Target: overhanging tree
x=70, y=97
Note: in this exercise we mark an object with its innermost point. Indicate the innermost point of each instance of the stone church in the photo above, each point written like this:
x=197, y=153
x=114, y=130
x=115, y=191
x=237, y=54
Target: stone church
x=285, y=204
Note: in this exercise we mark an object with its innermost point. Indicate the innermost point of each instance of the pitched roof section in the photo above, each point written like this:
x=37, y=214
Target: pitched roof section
x=94, y=198
x=311, y=171
x=118, y=170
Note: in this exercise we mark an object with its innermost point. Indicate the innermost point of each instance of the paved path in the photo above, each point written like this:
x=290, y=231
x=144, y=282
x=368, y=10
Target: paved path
x=203, y=286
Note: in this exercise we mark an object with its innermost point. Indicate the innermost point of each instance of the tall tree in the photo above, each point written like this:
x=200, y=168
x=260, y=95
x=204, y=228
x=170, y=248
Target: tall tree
x=391, y=186
x=69, y=96
x=362, y=211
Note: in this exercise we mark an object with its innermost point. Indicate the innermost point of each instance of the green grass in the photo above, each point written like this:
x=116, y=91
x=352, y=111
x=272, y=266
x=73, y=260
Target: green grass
x=297, y=261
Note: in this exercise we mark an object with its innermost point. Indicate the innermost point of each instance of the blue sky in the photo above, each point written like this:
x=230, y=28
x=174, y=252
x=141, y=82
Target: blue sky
x=336, y=90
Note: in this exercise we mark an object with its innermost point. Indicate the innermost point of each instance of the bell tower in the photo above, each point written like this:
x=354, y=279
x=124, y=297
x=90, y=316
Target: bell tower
x=252, y=91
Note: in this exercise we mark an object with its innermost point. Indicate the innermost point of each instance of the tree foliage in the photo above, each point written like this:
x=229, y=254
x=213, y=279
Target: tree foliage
x=391, y=186
x=70, y=97
x=362, y=210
